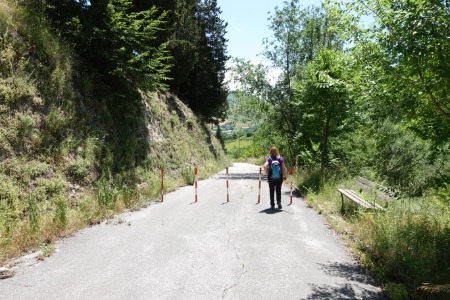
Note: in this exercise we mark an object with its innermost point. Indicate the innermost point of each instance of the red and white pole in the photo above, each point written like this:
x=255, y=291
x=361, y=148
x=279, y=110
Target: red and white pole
x=162, y=184
x=196, y=180
x=292, y=171
x=228, y=189
x=259, y=190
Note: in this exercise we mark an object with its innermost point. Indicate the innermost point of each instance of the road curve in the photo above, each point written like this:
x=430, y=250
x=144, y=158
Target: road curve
x=211, y=249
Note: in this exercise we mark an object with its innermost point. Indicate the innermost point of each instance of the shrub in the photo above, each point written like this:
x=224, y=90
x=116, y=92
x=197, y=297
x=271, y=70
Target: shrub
x=9, y=191
x=412, y=245
x=443, y=194
x=127, y=195
x=55, y=122
x=311, y=181
x=32, y=169
x=61, y=212
x=26, y=122
x=52, y=187
x=408, y=163
x=188, y=175
x=123, y=190
x=395, y=155
x=397, y=291
x=106, y=194
x=78, y=168
x=33, y=211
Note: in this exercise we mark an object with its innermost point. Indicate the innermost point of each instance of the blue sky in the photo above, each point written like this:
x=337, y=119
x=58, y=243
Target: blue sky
x=248, y=25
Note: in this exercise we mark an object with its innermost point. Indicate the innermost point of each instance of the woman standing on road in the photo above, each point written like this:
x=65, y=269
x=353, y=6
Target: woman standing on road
x=276, y=172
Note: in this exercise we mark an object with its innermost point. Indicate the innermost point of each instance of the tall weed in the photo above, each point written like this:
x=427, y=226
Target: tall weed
x=310, y=181
x=106, y=194
x=125, y=193
x=26, y=122
x=187, y=173
x=405, y=246
x=78, y=168
x=61, y=212
x=412, y=245
x=34, y=215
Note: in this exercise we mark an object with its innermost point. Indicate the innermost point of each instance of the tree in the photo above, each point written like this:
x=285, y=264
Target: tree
x=183, y=43
x=205, y=91
x=413, y=39
x=134, y=56
x=299, y=35
x=117, y=41
x=323, y=100
x=305, y=42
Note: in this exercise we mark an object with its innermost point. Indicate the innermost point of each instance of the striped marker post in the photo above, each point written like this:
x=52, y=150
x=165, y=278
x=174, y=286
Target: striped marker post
x=162, y=184
x=259, y=190
x=292, y=171
x=228, y=189
x=196, y=180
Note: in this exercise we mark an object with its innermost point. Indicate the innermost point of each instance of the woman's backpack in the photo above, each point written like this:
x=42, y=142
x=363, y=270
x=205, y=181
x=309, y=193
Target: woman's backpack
x=275, y=171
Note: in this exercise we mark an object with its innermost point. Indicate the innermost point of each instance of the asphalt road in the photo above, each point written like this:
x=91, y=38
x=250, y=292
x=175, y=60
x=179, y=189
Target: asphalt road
x=211, y=249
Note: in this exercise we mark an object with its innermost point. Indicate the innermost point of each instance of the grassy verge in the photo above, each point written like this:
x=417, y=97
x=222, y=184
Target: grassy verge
x=71, y=156
x=405, y=247
x=35, y=221
x=73, y=184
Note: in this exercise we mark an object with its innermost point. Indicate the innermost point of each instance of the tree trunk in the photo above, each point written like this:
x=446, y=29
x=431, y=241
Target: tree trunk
x=326, y=131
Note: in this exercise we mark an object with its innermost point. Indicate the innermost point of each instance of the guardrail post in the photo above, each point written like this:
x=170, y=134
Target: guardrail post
x=162, y=184
x=291, y=172
x=196, y=180
x=259, y=191
x=228, y=192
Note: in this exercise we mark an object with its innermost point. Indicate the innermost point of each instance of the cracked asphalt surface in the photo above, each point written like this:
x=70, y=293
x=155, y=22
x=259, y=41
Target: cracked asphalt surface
x=205, y=250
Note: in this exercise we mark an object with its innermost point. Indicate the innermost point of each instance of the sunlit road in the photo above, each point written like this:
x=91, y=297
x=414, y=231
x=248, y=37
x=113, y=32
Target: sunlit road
x=205, y=250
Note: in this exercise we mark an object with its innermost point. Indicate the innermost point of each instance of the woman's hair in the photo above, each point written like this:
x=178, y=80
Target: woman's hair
x=274, y=152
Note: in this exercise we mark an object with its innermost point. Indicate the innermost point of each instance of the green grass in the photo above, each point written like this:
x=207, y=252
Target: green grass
x=66, y=159
x=244, y=150
x=70, y=193
x=238, y=144
x=405, y=247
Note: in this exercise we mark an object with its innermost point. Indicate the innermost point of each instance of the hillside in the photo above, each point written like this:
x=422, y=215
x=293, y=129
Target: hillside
x=73, y=153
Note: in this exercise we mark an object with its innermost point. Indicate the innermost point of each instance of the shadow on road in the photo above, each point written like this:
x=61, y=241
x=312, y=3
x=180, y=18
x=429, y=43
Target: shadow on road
x=351, y=273
x=345, y=291
x=295, y=193
x=348, y=272
x=255, y=176
x=243, y=176
x=270, y=211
